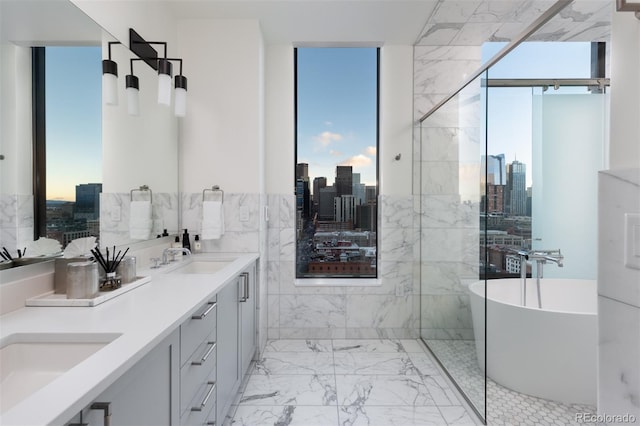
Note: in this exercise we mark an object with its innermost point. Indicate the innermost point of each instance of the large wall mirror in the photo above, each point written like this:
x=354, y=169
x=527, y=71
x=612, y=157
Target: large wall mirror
x=130, y=152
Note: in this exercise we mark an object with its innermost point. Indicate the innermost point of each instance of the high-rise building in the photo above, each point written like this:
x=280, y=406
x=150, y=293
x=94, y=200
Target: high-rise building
x=325, y=207
x=318, y=184
x=344, y=208
x=303, y=197
x=496, y=169
x=87, y=201
x=344, y=180
x=371, y=194
x=517, y=183
x=358, y=189
x=302, y=171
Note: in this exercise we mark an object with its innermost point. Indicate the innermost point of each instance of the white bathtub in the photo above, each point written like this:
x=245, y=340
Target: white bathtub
x=550, y=352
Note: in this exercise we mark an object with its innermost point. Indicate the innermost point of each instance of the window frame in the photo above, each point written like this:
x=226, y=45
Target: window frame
x=340, y=280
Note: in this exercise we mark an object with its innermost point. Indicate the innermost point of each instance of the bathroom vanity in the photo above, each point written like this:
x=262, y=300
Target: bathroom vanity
x=173, y=351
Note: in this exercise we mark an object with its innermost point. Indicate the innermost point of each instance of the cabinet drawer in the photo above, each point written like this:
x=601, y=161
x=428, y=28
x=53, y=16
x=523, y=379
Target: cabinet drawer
x=207, y=413
x=196, y=329
x=199, y=369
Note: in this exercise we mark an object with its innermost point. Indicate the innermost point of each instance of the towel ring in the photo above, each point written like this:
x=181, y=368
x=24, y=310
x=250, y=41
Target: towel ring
x=214, y=188
x=143, y=188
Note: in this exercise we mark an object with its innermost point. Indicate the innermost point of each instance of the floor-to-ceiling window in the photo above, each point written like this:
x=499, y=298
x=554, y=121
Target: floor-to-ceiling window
x=336, y=164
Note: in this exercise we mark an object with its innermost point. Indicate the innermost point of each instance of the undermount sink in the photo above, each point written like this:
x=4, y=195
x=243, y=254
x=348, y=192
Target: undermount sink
x=202, y=267
x=29, y=362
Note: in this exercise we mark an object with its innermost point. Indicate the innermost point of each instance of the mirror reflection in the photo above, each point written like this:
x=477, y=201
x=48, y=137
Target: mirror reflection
x=89, y=156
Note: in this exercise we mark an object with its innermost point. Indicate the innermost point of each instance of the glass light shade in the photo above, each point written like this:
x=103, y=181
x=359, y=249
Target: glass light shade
x=180, y=102
x=181, y=96
x=133, y=101
x=110, y=89
x=164, y=89
x=164, y=81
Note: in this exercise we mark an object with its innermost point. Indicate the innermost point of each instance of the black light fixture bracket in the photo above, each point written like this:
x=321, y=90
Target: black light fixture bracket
x=143, y=49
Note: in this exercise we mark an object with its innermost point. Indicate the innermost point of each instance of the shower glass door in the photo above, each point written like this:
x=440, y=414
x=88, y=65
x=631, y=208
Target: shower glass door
x=451, y=150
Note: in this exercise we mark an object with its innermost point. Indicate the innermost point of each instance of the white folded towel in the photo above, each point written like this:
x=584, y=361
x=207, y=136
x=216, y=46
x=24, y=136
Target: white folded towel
x=212, y=220
x=140, y=222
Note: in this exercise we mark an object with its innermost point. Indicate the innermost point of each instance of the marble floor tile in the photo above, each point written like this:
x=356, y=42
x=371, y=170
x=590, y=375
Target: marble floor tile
x=387, y=390
x=368, y=345
x=298, y=345
x=345, y=382
x=373, y=363
x=457, y=416
x=290, y=390
x=281, y=415
x=390, y=416
x=295, y=363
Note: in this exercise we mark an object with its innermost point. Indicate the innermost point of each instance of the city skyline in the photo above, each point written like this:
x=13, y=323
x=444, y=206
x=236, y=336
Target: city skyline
x=337, y=110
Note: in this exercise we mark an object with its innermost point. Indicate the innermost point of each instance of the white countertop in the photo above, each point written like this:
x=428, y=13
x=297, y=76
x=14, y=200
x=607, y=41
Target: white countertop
x=143, y=317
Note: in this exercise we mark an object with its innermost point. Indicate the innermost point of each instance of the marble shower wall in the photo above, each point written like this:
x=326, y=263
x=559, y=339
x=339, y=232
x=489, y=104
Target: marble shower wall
x=388, y=310
x=618, y=293
x=115, y=213
x=446, y=53
x=16, y=221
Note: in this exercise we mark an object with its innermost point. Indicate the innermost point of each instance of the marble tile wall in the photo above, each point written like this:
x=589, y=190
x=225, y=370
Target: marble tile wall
x=618, y=294
x=16, y=220
x=115, y=213
x=447, y=154
x=328, y=312
x=244, y=225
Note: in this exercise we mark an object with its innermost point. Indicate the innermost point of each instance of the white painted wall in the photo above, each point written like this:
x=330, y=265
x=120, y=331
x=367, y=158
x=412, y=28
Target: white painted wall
x=15, y=116
x=223, y=129
x=625, y=91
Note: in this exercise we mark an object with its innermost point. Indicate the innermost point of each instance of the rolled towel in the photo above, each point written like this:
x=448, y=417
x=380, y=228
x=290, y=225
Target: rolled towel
x=140, y=222
x=212, y=220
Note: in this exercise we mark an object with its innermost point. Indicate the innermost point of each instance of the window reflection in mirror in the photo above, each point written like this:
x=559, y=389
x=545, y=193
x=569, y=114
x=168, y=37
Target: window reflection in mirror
x=72, y=142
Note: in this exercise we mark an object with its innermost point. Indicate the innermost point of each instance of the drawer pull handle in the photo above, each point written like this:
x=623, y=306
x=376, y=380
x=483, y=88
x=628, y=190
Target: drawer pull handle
x=206, y=355
x=206, y=397
x=212, y=305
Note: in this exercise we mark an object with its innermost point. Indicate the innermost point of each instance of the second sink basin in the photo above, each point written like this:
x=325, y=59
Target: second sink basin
x=202, y=267
x=29, y=362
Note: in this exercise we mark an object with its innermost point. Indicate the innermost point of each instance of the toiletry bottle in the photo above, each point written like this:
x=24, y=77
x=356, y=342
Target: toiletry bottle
x=185, y=240
x=197, y=245
x=165, y=233
x=176, y=244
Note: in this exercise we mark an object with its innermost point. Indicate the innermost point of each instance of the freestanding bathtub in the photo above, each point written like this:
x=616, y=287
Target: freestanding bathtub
x=548, y=353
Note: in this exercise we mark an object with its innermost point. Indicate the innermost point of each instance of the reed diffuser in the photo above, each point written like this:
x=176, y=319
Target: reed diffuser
x=109, y=264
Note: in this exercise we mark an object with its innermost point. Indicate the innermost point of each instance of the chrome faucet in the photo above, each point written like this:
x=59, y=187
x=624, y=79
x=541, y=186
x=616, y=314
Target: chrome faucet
x=165, y=253
x=541, y=257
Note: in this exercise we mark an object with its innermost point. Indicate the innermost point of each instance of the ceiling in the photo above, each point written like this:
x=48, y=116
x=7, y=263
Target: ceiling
x=335, y=22
x=424, y=22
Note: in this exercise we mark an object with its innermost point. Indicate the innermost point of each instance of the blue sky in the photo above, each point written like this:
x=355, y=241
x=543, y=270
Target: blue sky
x=509, y=129
x=336, y=108
x=337, y=111
x=74, y=119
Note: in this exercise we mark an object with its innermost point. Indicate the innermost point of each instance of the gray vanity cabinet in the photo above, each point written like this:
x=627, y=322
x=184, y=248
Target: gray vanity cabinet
x=236, y=336
x=247, y=317
x=147, y=394
x=228, y=367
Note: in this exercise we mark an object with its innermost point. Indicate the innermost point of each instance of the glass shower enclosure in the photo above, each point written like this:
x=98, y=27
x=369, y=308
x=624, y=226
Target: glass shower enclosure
x=488, y=208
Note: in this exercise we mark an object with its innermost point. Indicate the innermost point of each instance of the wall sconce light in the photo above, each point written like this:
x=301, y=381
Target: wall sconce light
x=143, y=50
x=110, y=79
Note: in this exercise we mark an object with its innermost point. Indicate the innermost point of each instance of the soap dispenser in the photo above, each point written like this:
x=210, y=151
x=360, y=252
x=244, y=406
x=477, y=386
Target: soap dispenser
x=185, y=240
x=197, y=245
